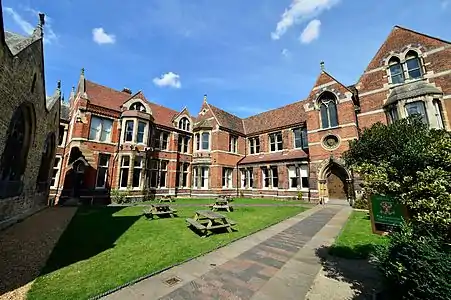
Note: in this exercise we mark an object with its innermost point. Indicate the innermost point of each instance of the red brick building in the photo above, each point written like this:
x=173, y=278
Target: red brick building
x=118, y=139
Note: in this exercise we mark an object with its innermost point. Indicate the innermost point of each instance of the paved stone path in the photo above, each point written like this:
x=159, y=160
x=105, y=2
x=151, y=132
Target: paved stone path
x=275, y=263
x=25, y=247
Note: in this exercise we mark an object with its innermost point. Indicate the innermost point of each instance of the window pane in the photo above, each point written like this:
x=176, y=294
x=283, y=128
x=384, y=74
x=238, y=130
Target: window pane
x=185, y=145
x=417, y=108
x=103, y=160
x=96, y=124
x=197, y=141
x=124, y=177
x=136, y=178
x=415, y=73
x=396, y=72
x=304, y=138
x=138, y=161
x=140, y=134
x=413, y=64
x=304, y=182
x=297, y=138
x=333, y=114
x=129, y=131
x=205, y=140
x=101, y=176
x=125, y=161
x=324, y=116
x=164, y=140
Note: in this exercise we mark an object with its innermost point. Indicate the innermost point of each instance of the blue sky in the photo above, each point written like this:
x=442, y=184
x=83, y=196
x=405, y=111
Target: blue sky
x=248, y=56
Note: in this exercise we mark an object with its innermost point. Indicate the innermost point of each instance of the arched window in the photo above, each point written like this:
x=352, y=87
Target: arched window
x=184, y=124
x=396, y=71
x=138, y=106
x=14, y=156
x=47, y=155
x=413, y=65
x=328, y=110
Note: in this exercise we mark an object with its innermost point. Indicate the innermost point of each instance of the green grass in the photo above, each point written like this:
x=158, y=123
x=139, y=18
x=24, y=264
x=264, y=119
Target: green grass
x=202, y=201
x=356, y=240
x=103, y=248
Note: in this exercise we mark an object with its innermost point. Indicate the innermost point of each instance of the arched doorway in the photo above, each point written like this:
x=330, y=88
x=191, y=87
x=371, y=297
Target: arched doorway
x=75, y=174
x=335, y=181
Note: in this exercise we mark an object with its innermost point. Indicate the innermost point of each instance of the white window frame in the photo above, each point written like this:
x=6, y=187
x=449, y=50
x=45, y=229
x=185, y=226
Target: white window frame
x=161, y=171
x=121, y=170
x=233, y=143
x=253, y=145
x=184, y=124
x=199, y=141
x=276, y=142
x=201, y=177
x=63, y=142
x=183, y=143
x=303, y=173
x=154, y=171
x=99, y=133
x=160, y=139
x=139, y=167
x=146, y=125
x=227, y=177
x=271, y=177
x=58, y=172
x=107, y=166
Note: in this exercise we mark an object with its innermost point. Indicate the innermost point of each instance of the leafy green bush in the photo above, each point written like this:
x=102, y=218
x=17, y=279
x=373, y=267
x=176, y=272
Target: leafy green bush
x=415, y=267
x=361, y=203
x=119, y=196
x=300, y=195
x=408, y=160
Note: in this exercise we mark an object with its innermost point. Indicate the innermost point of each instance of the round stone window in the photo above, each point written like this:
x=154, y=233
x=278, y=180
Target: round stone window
x=331, y=141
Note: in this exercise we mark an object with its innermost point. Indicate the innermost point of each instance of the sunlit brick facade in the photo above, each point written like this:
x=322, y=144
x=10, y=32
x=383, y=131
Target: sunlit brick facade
x=119, y=140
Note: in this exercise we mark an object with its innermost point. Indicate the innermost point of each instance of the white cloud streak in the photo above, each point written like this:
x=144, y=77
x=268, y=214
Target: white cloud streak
x=300, y=11
x=311, y=31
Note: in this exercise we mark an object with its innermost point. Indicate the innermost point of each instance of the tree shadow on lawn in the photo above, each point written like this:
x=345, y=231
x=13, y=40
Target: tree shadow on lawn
x=91, y=231
x=363, y=278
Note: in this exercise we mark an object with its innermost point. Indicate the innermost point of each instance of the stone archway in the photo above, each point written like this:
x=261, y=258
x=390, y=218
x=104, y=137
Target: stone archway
x=334, y=180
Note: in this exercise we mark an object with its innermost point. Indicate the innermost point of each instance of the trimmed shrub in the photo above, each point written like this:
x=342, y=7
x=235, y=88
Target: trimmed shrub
x=415, y=267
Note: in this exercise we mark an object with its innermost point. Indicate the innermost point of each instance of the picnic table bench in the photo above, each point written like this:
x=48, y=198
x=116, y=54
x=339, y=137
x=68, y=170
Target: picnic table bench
x=166, y=198
x=159, y=210
x=221, y=203
x=225, y=197
x=206, y=221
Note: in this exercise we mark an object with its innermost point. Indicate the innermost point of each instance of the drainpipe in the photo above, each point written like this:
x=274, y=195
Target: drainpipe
x=309, y=193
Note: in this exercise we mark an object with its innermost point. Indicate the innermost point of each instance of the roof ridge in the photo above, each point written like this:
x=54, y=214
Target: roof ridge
x=225, y=111
x=266, y=111
x=214, y=115
x=110, y=88
x=339, y=82
x=421, y=33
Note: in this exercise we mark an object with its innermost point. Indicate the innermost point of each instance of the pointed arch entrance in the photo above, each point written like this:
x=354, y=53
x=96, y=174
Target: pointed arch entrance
x=334, y=180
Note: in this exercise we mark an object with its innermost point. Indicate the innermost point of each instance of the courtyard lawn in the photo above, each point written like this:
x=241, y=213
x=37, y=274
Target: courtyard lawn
x=205, y=201
x=356, y=240
x=103, y=248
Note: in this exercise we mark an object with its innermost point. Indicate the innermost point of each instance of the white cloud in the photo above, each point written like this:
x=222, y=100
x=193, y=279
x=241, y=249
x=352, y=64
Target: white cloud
x=286, y=52
x=299, y=11
x=19, y=20
x=101, y=37
x=169, y=79
x=49, y=35
x=311, y=31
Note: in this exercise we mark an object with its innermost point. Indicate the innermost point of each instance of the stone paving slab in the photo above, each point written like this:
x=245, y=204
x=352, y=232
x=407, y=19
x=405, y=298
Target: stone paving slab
x=271, y=263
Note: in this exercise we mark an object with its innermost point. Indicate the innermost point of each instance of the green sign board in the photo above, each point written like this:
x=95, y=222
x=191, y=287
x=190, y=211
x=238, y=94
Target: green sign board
x=386, y=212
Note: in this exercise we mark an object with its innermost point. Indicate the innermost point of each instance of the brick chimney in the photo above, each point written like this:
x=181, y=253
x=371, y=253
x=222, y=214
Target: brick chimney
x=127, y=90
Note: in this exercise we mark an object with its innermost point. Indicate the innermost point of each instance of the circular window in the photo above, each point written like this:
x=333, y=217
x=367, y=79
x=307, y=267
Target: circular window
x=331, y=141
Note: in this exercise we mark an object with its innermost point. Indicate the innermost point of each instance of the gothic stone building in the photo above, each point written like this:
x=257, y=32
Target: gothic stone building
x=28, y=125
x=119, y=140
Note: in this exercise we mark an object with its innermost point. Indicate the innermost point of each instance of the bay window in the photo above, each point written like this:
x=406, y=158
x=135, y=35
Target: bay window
x=128, y=134
x=140, y=132
x=417, y=108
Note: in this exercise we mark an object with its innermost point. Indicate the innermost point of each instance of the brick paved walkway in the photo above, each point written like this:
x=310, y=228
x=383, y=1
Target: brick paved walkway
x=276, y=263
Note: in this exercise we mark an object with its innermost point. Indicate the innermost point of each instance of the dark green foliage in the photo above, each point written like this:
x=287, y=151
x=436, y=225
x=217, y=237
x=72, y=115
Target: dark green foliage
x=415, y=267
x=361, y=203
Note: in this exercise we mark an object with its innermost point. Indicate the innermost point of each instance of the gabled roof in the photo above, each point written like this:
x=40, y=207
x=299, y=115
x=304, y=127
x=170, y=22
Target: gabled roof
x=16, y=42
x=228, y=120
x=103, y=96
x=420, y=33
x=287, y=115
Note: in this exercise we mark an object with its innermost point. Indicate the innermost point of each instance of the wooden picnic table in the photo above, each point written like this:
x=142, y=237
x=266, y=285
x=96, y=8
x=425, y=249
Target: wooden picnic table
x=225, y=197
x=160, y=210
x=206, y=221
x=221, y=204
x=166, y=198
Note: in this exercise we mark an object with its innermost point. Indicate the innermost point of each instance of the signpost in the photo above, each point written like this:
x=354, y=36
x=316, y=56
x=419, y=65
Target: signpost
x=385, y=214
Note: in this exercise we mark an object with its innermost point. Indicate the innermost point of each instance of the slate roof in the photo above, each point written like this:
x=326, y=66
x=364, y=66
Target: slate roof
x=411, y=90
x=270, y=157
x=16, y=42
x=113, y=99
x=65, y=109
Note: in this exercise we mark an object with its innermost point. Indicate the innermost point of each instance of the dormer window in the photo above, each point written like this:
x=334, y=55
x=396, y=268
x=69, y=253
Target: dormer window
x=138, y=106
x=396, y=71
x=413, y=65
x=184, y=124
x=328, y=110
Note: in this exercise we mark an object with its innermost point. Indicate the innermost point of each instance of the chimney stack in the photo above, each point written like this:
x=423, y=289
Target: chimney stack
x=127, y=90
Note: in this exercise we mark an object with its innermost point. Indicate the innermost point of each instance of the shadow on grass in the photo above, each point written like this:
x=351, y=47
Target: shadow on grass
x=356, y=252
x=91, y=231
x=362, y=276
